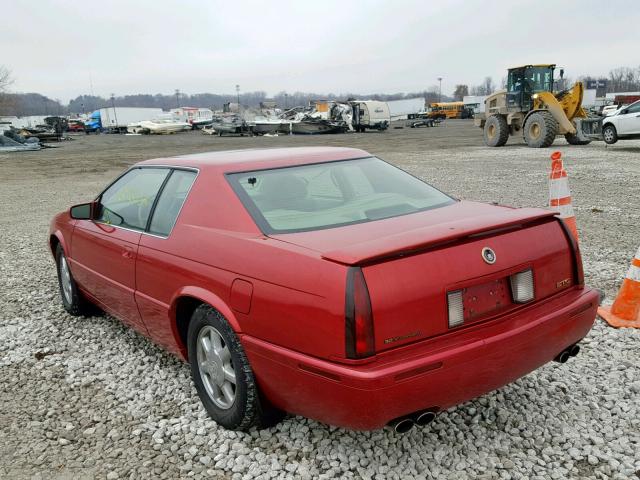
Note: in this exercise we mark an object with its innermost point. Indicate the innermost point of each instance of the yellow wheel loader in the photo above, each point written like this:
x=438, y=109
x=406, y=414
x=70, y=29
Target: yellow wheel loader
x=529, y=106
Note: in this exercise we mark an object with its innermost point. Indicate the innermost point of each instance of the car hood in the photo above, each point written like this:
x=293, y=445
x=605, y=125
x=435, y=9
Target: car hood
x=376, y=240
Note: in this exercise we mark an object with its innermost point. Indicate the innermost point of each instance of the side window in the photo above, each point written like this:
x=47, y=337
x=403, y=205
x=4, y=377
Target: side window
x=127, y=203
x=170, y=202
x=634, y=108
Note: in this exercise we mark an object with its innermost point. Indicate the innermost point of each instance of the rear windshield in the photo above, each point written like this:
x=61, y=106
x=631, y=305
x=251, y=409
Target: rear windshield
x=332, y=194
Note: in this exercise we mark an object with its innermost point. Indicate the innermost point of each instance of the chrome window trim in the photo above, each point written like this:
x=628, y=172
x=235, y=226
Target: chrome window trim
x=168, y=167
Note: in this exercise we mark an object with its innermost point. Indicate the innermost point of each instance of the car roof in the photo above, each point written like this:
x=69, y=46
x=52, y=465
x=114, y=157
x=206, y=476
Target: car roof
x=254, y=159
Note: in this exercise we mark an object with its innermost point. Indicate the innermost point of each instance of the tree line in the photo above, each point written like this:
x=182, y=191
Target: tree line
x=22, y=104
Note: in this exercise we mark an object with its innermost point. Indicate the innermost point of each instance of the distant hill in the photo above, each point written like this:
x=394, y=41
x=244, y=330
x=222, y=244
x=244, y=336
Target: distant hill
x=23, y=104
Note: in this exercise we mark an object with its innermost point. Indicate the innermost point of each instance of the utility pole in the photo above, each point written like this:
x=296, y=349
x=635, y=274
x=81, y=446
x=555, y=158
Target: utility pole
x=238, y=95
x=115, y=115
x=440, y=92
x=286, y=101
x=177, y=97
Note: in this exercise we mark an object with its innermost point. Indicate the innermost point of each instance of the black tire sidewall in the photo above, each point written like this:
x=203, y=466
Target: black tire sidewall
x=74, y=308
x=615, y=134
x=502, y=131
x=245, y=409
x=548, y=129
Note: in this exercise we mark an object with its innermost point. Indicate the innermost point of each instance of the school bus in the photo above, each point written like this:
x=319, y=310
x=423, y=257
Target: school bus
x=446, y=110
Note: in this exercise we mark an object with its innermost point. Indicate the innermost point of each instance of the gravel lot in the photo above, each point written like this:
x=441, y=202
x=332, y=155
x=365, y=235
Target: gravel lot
x=88, y=398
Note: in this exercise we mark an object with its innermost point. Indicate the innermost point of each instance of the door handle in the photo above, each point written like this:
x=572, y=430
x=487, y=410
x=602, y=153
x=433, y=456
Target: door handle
x=127, y=252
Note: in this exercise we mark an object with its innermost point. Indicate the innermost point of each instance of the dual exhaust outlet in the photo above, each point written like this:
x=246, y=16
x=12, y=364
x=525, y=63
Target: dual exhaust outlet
x=425, y=417
x=404, y=424
x=567, y=353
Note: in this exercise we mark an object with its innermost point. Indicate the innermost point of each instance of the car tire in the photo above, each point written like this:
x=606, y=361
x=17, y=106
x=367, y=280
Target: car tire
x=609, y=134
x=240, y=405
x=72, y=299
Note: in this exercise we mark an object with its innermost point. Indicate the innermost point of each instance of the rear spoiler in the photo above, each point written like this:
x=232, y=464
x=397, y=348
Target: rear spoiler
x=430, y=236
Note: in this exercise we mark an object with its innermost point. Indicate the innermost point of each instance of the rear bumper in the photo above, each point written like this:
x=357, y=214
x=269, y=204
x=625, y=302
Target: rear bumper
x=433, y=374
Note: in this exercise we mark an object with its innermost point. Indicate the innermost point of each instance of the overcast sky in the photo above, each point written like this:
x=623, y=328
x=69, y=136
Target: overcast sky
x=59, y=48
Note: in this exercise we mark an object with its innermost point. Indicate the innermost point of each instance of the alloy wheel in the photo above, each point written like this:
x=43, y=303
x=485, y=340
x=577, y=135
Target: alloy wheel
x=608, y=134
x=65, y=280
x=216, y=367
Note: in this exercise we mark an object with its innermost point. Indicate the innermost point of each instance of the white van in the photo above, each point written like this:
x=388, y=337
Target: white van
x=370, y=114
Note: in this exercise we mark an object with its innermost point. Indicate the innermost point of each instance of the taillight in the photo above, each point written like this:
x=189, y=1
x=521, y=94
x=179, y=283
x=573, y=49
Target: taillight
x=575, y=249
x=358, y=316
x=522, y=289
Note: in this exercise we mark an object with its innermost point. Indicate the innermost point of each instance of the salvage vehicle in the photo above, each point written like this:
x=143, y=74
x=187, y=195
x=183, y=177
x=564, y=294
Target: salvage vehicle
x=75, y=126
x=324, y=282
x=234, y=125
x=622, y=124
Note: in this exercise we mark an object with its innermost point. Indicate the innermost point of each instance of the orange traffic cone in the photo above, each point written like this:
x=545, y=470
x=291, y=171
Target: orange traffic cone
x=559, y=194
x=625, y=311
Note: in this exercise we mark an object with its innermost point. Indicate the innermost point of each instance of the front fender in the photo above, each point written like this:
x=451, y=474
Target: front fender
x=61, y=228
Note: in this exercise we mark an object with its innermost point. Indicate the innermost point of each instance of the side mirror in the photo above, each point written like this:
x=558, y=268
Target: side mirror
x=624, y=112
x=84, y=211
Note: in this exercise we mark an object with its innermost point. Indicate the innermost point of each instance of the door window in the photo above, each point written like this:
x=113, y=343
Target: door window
x=170, y=202
x=128, y=202
x=635, y=108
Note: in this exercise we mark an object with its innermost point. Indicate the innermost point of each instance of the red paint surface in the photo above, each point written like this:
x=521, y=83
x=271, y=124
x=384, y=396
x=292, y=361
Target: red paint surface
x=285, y=295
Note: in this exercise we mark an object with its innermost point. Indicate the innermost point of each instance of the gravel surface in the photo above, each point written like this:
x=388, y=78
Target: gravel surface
x=89, y=398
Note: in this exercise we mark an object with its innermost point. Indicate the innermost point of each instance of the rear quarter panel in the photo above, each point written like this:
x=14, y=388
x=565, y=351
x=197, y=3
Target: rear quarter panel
x=297, y=300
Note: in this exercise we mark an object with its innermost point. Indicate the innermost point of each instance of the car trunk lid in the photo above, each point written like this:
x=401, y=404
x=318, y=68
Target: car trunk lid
x=410, y=265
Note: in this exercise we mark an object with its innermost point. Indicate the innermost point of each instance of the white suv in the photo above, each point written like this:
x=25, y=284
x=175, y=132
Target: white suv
x=624, y=123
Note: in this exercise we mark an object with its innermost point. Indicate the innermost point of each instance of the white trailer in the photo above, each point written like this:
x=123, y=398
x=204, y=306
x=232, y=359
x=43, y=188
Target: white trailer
x=6, y=122
x=117, y=118
x=196, y=117
x=474, y=102
x=406, y=108
x=23, y=122
x=370, y=114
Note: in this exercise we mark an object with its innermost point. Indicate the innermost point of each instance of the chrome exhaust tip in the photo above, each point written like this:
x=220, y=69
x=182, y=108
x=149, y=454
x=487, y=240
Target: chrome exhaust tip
x=425, y=418
x=402, y=426
x=562, y=357
x=574, y=350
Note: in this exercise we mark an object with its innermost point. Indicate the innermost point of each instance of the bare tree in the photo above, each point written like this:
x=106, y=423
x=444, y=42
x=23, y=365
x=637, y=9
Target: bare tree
x=5, y=81
x=486, y=88
x=489, y=86
x=460, y=92
x=624, y=79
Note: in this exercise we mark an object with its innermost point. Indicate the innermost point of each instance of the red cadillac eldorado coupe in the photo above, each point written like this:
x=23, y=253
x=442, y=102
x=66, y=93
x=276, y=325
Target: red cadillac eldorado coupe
x=324, y=282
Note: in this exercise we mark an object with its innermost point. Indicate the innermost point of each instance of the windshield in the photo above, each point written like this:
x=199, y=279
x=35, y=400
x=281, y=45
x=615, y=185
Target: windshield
x=533, y=79
x=332, y=194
